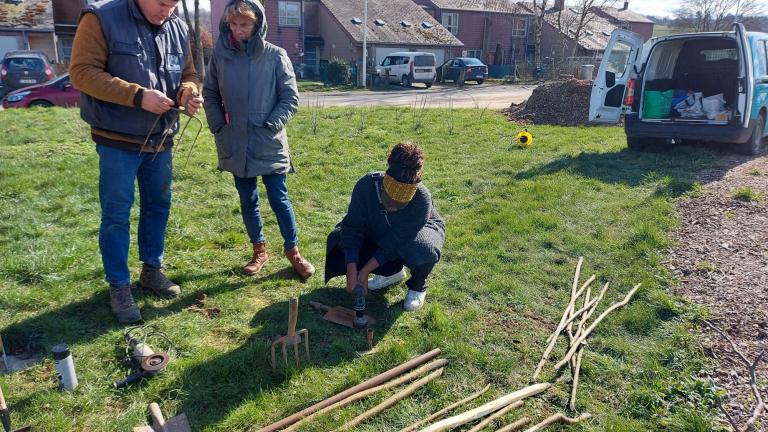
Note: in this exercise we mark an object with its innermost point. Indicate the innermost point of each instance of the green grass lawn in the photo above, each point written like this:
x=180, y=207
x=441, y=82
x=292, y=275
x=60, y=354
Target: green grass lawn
x=517, y=221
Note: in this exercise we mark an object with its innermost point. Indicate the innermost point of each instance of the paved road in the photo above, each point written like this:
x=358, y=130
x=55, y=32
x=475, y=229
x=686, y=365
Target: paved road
x=470, y=96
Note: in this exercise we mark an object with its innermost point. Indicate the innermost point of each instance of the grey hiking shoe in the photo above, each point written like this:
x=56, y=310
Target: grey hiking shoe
x=153, y=278
x=123, y=306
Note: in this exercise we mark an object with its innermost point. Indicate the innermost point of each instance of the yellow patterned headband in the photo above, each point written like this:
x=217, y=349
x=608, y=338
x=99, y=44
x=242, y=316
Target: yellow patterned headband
x=401, y=193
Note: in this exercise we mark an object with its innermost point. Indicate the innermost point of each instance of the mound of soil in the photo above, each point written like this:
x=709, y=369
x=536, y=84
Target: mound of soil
x=564, y=103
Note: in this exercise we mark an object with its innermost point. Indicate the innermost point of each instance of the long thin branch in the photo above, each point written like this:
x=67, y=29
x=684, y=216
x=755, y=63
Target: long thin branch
x=558, y=330
x=440, y=413
x=391, y=400
x=591, y=312
x=752, y=366
x=480, y=426
x=728, y=417
x=592, y=327
x=434, y=364
x=576, y=371
x=558, y=418
x=484, y=410
x=516, y=425
x=576, y=364
x=759, y=405
x=573, y=294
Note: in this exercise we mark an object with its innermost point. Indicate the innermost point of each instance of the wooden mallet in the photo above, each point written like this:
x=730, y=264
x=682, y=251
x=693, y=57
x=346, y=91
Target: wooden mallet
x=293, y=337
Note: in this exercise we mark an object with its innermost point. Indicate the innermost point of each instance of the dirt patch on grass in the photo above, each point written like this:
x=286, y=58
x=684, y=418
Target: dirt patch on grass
x=201, y=306
x=722, y=263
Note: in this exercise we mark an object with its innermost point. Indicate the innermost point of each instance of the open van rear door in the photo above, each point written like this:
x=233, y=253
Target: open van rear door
x=607, y=100
x=746, y=76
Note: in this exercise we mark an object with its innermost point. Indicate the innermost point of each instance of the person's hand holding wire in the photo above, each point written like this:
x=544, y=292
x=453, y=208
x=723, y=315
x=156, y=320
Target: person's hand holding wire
x=155, y=102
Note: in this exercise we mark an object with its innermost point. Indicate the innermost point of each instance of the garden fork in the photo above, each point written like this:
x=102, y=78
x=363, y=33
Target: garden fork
x=293, y=337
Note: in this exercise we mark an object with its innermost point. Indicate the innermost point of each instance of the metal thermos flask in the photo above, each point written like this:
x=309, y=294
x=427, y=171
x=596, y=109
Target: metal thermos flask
x=65, y=367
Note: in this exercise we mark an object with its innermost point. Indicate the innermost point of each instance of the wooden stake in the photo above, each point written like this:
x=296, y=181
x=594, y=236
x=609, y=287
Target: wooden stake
x=488, y=408
x=365, y=393
x=560, y=328
x=373, y=382
x=576, y=370
x=576, y=364
x=573, y=294
x=440, y=413
x=516, y=425
x=391, y=400
x=558, y=418
x=480, y=426
x=591, y=328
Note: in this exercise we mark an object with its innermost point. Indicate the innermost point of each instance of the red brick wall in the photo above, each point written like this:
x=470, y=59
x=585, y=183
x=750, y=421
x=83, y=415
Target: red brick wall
x=289, y=38
x=483, y=31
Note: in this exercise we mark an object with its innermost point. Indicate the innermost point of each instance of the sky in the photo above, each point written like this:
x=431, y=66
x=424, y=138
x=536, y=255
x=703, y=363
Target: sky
x=645, y=7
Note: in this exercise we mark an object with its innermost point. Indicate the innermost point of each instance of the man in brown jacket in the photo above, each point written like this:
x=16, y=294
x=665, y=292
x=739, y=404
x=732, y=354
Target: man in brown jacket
x=131, y=61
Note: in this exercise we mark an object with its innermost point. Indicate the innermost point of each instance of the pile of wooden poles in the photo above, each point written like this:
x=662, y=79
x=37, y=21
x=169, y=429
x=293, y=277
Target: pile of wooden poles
x=574, y=322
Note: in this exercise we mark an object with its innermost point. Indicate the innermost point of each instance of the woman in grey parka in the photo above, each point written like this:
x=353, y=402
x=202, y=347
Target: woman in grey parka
x=250, y=95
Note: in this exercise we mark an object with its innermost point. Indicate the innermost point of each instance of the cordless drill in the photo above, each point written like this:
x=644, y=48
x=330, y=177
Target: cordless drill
x=360, y=319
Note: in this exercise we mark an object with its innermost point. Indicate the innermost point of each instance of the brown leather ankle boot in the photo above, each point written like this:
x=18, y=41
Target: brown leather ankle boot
x=258, y=260
x=304, y=268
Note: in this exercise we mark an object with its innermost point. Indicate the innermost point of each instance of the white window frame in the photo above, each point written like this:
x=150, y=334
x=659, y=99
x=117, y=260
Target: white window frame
x=450, y=21
x=286, y=17
x=520, y=31
x=476, y=53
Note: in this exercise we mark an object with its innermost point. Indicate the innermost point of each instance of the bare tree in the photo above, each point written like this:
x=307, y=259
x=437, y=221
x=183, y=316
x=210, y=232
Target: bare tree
x=197, y=40
x=575, y=21
x=539, y=11
x=715, y=15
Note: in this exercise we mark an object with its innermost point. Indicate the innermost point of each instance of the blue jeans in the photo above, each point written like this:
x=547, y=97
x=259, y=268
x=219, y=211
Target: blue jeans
x=118, y=170
x=277, y=193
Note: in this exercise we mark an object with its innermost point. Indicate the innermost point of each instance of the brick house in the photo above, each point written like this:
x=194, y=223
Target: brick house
x=393, y=25
x=314, y=31
x=27, y=25
x=285, y=20
x=495, y=31
x=558, y=34
x=626, y=19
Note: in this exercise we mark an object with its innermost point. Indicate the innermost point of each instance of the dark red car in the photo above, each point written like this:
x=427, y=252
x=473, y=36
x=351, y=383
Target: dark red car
x=56, y=92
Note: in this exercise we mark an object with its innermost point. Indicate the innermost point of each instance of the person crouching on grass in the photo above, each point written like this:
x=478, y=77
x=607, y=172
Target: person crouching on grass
x=391, y=223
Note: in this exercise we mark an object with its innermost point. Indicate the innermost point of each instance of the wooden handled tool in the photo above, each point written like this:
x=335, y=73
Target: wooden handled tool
x=4, y=414
x=293, y=337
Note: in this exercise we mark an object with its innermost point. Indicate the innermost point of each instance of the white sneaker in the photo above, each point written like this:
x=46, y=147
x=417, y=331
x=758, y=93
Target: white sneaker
x=414, y=300
x=378, y=282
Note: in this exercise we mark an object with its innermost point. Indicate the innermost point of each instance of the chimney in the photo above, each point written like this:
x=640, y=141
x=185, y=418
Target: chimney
x=626, y=5
x=559, y=4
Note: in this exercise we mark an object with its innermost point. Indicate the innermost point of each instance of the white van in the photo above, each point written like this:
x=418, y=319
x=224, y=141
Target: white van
x=407, y=68
x=693, y=87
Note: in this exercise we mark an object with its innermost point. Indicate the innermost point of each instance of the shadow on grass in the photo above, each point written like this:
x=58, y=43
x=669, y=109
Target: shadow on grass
x=217, y=387
x=677, y=168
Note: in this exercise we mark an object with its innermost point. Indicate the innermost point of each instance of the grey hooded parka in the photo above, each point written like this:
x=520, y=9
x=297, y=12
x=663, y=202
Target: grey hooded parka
x=254, y=85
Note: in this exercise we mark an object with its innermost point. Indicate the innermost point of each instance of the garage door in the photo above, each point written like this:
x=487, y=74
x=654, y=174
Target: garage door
x=8, y=43
x=382, y=52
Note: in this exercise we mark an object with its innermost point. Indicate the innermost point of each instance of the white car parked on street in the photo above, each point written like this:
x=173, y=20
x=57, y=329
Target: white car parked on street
x=407, y=68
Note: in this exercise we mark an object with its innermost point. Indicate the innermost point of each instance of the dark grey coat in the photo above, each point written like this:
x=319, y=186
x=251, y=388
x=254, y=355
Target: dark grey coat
x=255, y=85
